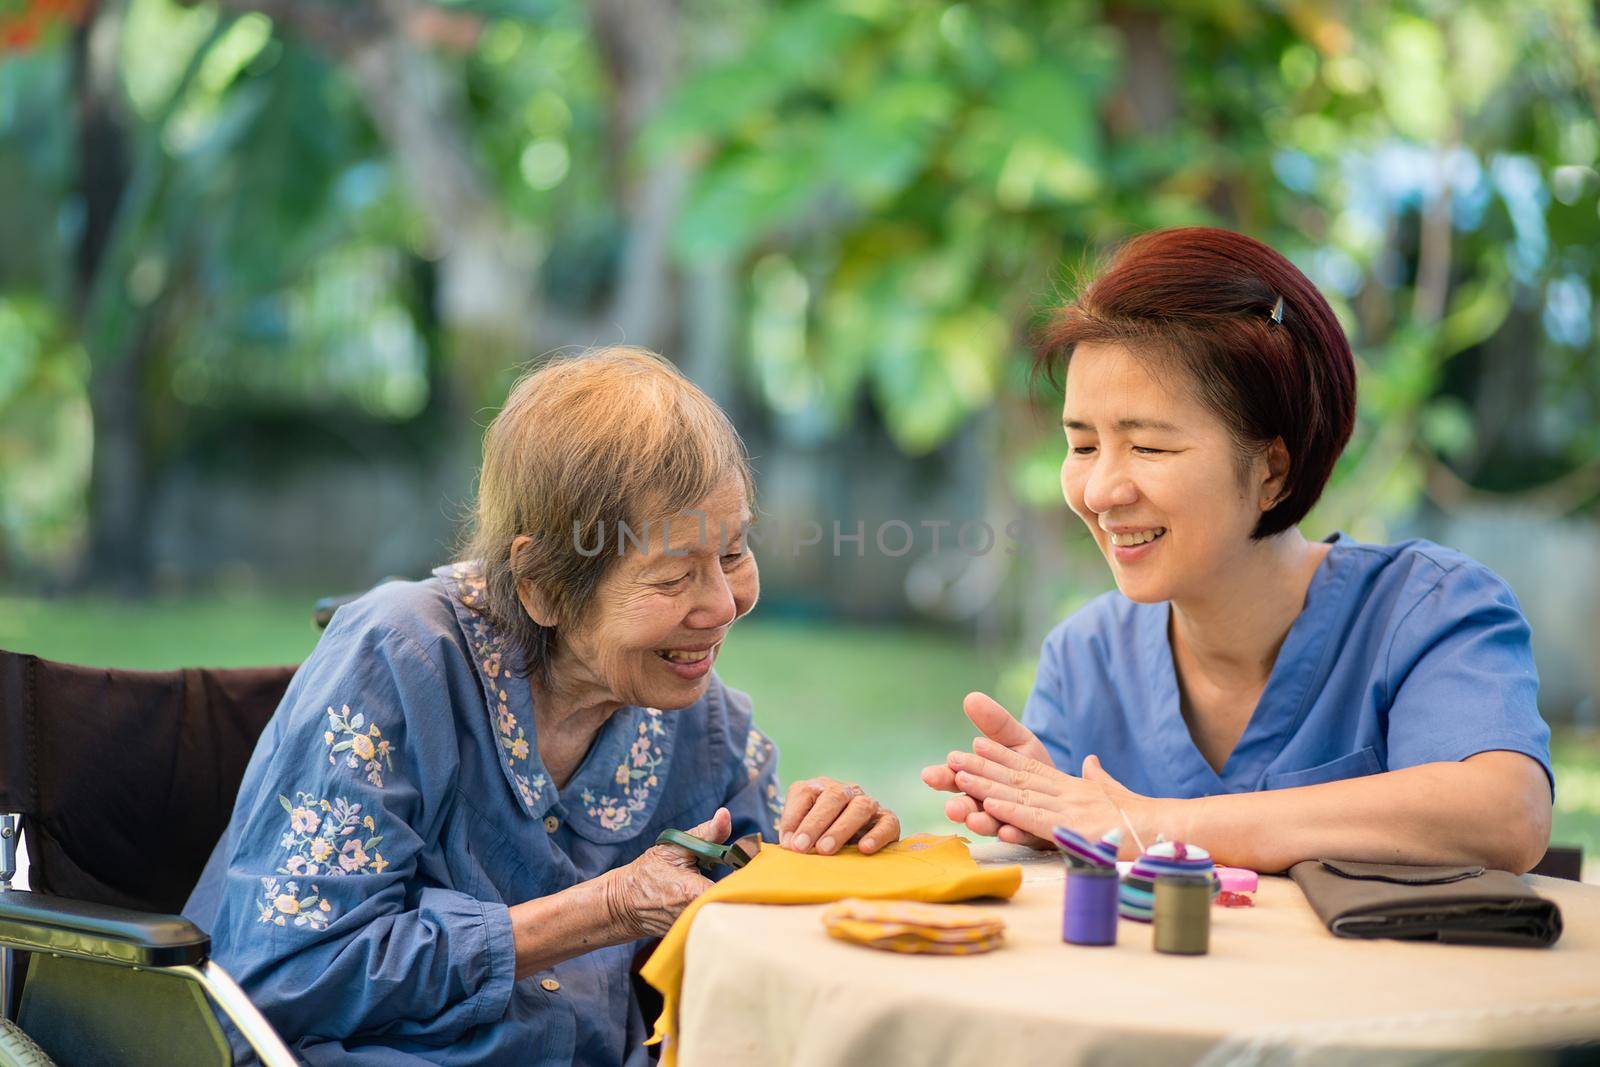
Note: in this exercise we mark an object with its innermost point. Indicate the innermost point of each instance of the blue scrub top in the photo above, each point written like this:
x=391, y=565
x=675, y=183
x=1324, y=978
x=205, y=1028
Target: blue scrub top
x=395, y=808
x=1403, y=654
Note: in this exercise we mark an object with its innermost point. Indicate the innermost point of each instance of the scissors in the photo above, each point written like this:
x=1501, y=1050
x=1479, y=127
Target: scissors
x=710, y=855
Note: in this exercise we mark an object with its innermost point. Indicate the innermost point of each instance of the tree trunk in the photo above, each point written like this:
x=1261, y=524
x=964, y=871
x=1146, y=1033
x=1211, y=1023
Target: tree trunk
x=119, y=488
x=638, y=42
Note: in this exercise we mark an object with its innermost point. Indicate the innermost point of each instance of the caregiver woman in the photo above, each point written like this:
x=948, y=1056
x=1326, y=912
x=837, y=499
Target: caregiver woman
x=1271, y=698
x=443, y=850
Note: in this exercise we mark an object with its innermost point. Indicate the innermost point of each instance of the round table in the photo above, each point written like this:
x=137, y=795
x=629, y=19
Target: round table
x=766, y=985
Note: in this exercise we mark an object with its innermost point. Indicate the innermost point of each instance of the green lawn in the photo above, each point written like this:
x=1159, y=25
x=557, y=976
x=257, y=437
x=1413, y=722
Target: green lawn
x=869, y=704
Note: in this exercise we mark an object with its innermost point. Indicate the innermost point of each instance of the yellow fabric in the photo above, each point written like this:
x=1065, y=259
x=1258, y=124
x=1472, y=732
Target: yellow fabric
x=911, y=926
x=917, y=945
x=912, y=914
x=924, y=867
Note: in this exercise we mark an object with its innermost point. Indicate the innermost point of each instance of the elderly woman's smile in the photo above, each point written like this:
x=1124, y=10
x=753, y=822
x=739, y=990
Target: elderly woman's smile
x=690, y=662
x=650, y=635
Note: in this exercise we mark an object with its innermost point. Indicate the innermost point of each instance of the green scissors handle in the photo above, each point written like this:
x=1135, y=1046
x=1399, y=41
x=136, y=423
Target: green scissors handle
x=710, y=855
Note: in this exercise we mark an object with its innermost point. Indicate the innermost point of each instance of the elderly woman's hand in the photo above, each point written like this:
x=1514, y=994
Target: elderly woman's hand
x=828, y=815
x=1034, y=797
x=645, y=897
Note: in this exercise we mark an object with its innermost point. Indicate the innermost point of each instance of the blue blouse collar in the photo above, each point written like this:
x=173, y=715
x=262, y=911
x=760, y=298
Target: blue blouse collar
x=615, y=790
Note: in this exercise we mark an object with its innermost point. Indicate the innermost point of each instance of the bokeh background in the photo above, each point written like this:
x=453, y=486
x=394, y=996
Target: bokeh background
x=267, y=268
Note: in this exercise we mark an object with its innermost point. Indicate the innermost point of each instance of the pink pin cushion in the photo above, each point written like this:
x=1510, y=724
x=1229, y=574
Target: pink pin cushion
x=1238, y=887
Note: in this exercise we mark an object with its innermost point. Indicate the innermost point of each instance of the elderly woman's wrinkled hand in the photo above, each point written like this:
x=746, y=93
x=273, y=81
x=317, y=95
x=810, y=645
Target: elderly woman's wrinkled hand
x=824, y=815
x=645, y=897
x=1022, y=793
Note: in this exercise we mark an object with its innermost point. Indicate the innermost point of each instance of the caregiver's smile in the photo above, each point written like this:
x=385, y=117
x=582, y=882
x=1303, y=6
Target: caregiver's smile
x=1129, y=544
x=1154, y=475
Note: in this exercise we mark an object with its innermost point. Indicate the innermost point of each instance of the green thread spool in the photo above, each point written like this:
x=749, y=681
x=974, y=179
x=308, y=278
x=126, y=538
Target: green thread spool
x=1183, y=915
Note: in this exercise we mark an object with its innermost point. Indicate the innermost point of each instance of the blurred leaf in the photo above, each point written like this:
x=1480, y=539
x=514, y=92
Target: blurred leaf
x=1447, y=428
x=1039, y=142
x=800, y=47
x=746, y=195
x=1481, y=57
x=159, y=40
x=1477, y=310
x=932, y=371
x=920, y=403
x=278, y=205
x=1413, y=78
x=1036, y=475
x=880, y=143
x=45, y=434
x=1409, y=369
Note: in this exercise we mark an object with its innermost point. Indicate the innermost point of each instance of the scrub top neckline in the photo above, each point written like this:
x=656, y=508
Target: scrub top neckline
x=1301, y=662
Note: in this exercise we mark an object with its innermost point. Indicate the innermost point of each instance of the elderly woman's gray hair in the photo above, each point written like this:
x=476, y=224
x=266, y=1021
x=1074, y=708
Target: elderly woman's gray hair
x=583, y=445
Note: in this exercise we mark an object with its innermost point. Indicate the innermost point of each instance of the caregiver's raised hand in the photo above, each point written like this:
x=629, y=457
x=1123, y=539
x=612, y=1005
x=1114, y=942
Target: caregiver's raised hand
x=826, y=815
x=646, y=896
x=1034, y=797
x=998, y=725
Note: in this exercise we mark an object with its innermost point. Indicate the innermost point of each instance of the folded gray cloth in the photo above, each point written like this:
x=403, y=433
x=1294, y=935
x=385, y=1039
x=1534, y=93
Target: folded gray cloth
x=1461, y=905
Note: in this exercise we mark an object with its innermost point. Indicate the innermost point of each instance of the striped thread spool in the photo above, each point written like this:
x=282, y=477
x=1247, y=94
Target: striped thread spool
x=1081, y=852
x=1137, y=898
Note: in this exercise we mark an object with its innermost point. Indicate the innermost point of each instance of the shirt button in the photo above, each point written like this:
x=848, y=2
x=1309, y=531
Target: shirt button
x=550, y=985
x=551, y=823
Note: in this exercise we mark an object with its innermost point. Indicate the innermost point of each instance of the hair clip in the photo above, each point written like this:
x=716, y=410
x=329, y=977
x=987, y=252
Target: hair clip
x=1276, y=317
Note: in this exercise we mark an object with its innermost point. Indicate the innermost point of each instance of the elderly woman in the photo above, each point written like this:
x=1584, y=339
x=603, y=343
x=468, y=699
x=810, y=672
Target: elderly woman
x=443, y=849
x=1271, y=698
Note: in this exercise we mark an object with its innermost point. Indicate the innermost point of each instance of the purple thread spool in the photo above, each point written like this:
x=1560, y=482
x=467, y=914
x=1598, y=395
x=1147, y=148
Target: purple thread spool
x=1089, y=906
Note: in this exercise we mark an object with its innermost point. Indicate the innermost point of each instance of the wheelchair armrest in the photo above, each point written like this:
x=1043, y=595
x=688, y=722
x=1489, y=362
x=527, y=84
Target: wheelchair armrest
x=39, y=922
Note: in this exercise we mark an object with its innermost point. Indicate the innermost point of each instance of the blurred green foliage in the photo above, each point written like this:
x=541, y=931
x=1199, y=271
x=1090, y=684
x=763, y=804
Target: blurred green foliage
x=908, y=179
x=896, y=186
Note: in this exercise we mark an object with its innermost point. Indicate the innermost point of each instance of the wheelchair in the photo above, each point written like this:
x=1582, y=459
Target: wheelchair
x=122, y=782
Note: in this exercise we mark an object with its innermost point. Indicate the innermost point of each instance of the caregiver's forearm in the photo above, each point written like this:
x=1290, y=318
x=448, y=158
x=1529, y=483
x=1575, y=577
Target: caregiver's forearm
x=1492, y=809
x=579, y=919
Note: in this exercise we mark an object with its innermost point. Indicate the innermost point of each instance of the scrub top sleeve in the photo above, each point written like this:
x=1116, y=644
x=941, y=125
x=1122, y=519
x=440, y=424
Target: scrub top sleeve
x=1461, y=673
x=1045, y=712
x=325, y=919
x=752, y=795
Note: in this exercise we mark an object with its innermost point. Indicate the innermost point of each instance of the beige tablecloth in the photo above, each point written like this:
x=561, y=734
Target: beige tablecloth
x=765, y=985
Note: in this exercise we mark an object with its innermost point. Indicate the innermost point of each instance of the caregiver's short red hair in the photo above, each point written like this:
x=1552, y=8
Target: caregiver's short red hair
x=1203, y=298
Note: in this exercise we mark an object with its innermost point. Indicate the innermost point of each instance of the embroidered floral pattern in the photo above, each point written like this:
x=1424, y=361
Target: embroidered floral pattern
x=488, y=648
x=322, y=838
x=282, y=904
x=635, y=778
x=322, y=841
x=361, y=742
x=774, y=800
x=758, y=755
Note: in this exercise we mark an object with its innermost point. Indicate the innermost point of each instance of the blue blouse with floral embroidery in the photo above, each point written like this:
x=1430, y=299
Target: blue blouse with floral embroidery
x=396, y=806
